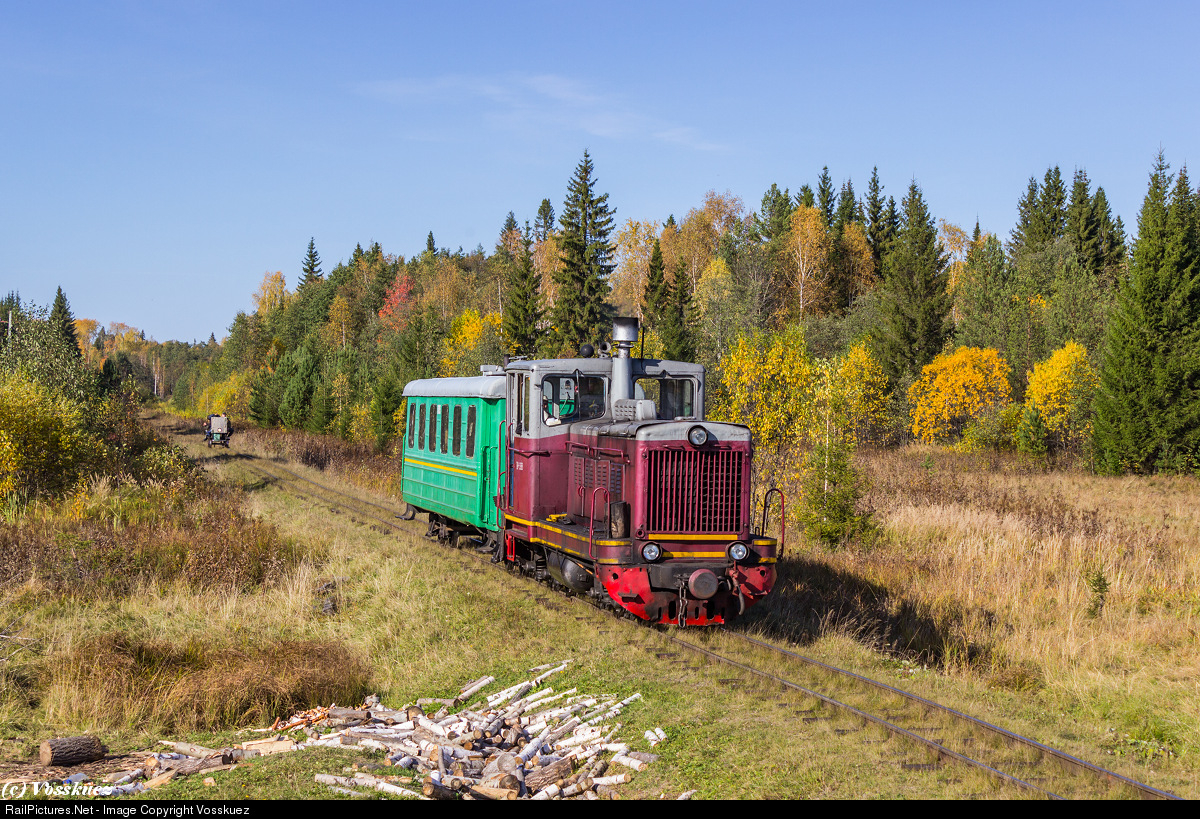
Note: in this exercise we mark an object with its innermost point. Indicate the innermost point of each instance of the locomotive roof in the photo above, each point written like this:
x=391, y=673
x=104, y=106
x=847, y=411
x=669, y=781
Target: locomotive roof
x=479, y=386
x=603, y=365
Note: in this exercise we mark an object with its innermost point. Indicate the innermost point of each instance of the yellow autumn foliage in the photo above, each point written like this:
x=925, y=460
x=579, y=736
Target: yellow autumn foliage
x=474, y=339
x=956, y=389
x=862, y=385
x=1061, y=388
x=231, y=396
x=44, y=443
x=767, y=379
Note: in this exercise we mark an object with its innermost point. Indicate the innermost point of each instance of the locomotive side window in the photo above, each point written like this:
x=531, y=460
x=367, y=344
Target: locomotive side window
x=421, y=430
x=458, y=429
x=412, y=425
x=525, y=404
x=470, y=432
x=518, y=384
x=445, y=425
x=566, y=398
x=674, y=398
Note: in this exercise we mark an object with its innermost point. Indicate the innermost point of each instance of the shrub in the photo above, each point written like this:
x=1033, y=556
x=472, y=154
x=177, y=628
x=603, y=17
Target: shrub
x=1061, y=389
x=44, y=444
x=995, y=429
x=955, y=390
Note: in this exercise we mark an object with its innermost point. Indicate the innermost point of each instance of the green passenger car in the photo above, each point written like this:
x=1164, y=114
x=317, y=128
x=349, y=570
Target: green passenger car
x=453, y=448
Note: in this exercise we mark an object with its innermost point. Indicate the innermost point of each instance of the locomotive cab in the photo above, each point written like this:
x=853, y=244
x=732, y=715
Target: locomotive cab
x=614, y=484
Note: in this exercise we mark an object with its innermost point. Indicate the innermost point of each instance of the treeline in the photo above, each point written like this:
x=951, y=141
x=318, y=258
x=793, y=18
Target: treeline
x=825, y=268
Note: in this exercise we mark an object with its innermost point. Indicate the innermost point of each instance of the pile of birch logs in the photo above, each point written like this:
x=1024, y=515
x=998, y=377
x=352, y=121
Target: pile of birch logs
x=527, y=741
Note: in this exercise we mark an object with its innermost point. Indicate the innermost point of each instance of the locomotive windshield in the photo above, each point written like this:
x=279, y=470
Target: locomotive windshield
x=674, y=398
x=568, y=398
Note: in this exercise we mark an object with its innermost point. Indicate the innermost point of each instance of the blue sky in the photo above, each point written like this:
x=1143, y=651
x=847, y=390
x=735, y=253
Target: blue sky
x=157, y=158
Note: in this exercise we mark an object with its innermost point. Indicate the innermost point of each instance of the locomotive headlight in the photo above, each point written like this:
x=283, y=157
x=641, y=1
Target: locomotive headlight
x=651, y=552
x=738, y=551
x=697, y=436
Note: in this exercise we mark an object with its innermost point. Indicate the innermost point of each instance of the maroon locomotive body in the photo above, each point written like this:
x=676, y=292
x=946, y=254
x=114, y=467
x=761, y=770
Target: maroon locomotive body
x=613, y=484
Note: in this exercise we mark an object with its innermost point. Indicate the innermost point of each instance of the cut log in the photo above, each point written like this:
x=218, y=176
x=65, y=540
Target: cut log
x=68, y=751
x=576, y=788
x=197, y=751
x=265, y=747
x=607, y=792
x=481, y=792
x=433, y=790
x=539, y=778
x=162, y=779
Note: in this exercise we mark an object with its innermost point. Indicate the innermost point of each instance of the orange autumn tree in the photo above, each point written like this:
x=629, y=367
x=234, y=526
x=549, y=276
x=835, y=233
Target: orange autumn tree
x=956, y=389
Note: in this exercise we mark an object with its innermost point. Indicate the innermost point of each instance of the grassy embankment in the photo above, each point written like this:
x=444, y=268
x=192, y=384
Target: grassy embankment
x=1077, y=593
x=167, y=642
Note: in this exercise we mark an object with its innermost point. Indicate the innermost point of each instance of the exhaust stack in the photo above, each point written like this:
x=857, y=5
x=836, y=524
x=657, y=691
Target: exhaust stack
x=625, y=335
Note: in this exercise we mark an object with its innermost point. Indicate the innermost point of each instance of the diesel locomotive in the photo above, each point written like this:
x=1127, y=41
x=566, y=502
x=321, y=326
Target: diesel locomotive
x=599, y=473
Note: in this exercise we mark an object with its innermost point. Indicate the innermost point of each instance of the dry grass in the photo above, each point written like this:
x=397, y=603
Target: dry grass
x=1085, y=588
x=109, y=538
x=358, y=464
x=114, y=680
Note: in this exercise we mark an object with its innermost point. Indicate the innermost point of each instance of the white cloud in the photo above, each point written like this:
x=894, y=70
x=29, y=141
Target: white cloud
x=538, y=103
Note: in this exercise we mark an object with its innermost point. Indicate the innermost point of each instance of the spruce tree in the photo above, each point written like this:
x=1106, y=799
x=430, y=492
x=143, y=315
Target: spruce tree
x=310, y=268
x=1083, y=228
x=430, y=244
x=771, y=221
x=848, y=209
x=678, y=317
x=1110, y=233
x=915, y=309
x=1052, y=208
x=1148, y=404
x=655, y=296
x=523, y=302
x=825, y=197
x=874, y=216
x=1027, y=215
x=64, y=323
x=543, y=225
x=805, y=197
x=582, y=312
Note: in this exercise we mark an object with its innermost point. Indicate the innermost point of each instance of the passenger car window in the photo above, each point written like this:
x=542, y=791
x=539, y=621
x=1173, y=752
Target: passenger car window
x=445, y=425
x=412, y=425
x=458, y=429
x=421, y=430
x=470, y=432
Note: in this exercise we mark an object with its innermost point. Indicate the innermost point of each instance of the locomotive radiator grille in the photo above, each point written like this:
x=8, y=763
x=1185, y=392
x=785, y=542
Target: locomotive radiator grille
x=695, y=492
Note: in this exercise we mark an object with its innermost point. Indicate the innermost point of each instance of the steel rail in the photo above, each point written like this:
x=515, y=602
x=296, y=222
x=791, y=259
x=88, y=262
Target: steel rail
x=1067, y=761
x=265, y=471
x=938, y=749
x=358, y=499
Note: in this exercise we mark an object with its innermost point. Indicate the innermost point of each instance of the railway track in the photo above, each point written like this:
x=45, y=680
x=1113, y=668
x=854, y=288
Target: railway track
x=944, y=734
